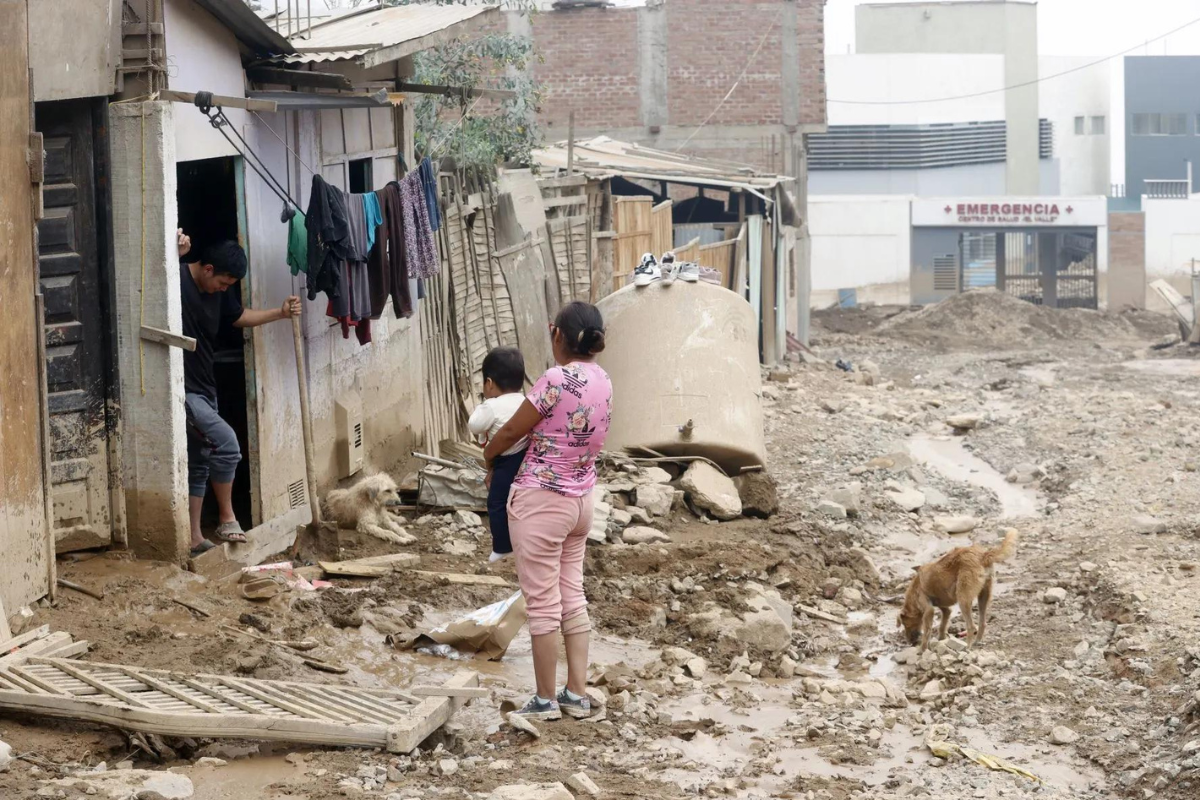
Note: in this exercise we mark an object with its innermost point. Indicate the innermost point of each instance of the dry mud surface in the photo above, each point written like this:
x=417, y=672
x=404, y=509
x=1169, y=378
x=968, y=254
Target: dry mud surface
x=1087, y=679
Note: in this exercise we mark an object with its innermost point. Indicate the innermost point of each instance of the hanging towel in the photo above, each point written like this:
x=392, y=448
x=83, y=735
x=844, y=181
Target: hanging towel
x=297, y=252
x=328, y=237
x=374, y=216
x=418, y=238
x=386, y=263
x=429, y=187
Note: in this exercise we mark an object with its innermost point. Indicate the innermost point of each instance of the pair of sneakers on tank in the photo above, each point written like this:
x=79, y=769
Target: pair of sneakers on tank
x=667, y=271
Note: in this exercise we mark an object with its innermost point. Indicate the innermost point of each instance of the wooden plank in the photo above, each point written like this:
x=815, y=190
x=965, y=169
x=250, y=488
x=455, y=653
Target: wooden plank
x=142, y=28
x=5, y=631
x=451, y=691
x=371, y=567
x=562, y=182
x=219, y=100
x=559, y=202
x=68, y=650
x=167, y=689
x=298, y=77
x=25, y=638
x=213, y=693
x=23, y=683
x=342, y=704
x=456, y=91
x=462, y=579
x=264, y=692
x=431, y=714
x=160, y=336
x=95, y=683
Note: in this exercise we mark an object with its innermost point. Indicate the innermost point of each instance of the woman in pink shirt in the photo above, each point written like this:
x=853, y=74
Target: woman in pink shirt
x=566, y=417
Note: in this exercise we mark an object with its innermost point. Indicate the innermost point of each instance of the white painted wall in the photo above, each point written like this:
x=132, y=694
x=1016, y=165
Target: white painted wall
x=862, y=242
x=202, y=55
x=1084, y=159
x=913, y=76
x=1172, y=241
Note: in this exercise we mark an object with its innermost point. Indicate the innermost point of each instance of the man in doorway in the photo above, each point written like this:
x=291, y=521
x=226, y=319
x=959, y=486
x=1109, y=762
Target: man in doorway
x=209, y=306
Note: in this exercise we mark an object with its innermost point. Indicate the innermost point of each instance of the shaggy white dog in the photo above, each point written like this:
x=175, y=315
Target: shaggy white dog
x=364, y=507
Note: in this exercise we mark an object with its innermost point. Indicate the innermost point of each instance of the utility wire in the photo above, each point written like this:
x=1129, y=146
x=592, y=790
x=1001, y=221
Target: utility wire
x=733, y=88
x=1021, y=85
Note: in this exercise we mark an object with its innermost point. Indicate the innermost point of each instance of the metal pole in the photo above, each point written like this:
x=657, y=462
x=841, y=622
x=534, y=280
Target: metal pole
x=571, y=145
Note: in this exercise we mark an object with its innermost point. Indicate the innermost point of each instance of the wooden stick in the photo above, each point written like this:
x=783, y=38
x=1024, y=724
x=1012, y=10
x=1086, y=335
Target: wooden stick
x=220, y=101
x=821, y=615
x=66, y=584
x=571, y=144
x=192, y=607
x=463, y=579
x=160, y=336
x=47, y=456
x=450, y=691
x=310, y=468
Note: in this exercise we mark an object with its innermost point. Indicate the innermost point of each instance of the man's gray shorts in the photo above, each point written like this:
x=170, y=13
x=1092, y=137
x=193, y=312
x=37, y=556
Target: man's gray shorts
x=213, y=450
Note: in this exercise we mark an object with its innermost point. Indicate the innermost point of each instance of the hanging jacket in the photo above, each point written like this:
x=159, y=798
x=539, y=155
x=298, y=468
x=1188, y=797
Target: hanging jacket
x=386, y=270
x=429, y=185
x=328, y=237
x=418, y=237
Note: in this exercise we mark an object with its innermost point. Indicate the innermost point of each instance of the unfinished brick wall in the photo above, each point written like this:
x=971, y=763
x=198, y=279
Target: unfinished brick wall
x=1126, y=260
x=593, y=66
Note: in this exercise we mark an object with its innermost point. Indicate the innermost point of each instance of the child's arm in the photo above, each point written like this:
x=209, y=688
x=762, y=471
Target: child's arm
x=481, y=419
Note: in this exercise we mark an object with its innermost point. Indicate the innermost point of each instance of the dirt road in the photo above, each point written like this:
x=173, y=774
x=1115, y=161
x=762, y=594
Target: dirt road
x=722, y=670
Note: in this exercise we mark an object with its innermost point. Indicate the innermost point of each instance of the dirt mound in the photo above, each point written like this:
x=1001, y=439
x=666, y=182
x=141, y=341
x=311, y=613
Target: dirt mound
x=988, y=318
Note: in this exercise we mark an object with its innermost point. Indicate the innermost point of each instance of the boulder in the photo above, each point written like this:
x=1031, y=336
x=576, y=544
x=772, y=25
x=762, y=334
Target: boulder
x=849, y=497
x=126, y=783
x=1149, y=525
x=768, y=626
x=1024, y=473
x=1054, y=595
x=905, y=497
x=712, y=491
x=1061, y=734
x=961, y=524
x=531, y=791
x=654, y=475
x=468, y=518
x=828, y=508
x=964, y=422
x=655, y=498
x=601, y=512
x=581, y=784
x=641, y=535
x=759, y=493
x=6, y=756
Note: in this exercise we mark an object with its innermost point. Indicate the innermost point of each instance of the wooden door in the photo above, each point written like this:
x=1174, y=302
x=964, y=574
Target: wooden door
x=24, y=575
x=78, y=354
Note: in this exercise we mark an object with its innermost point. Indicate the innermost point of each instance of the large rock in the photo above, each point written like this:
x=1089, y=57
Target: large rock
x=905, y=497
x=1025, y=473
x=767, y=627
x=654, y=475
x=964, y=422
x=531, y=791
x=601, y=512
x=639, y=535
x=6, y=757
x=849, y=497
x=656, y=498
x=828, y=508
x=960, y=524
x=123, y=784
x=711, y=491
x=759, y=493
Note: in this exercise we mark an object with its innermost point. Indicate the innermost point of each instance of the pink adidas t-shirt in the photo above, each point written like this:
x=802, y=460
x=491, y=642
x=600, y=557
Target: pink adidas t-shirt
x=575, y=402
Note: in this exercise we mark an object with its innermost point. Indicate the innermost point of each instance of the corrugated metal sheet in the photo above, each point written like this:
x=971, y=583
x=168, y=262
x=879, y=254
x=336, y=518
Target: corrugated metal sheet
x=386, y=33
x=603, y=157
x=246, y=26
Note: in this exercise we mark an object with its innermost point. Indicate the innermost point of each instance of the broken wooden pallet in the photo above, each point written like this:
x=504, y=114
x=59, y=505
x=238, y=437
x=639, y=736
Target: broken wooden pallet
x=216, y=706
x=40, y=642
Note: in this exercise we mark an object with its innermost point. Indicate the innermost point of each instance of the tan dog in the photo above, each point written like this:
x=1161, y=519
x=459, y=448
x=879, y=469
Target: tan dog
x=364, y=507
x=960, y=577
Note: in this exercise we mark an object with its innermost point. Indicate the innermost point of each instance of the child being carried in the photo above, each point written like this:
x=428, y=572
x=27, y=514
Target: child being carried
x=503, y=380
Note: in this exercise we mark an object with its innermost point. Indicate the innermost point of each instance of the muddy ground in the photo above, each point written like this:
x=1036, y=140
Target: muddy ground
x=1087, y=678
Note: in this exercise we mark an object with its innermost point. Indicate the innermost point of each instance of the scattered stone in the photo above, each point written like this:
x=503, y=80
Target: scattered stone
x=531, y=791
x=759, y=493
x=1081, y=649
x=522, y=724
x=468, y=519
x=1054, y=595
x=964, y=422
x=850, y=597
x=580, y=783
x=639, y=515
x=739, y=678
x=931, y=689
x=696, y=667
x=712, y=491
x=655, y=498
x=868, y=366
x=849, y=497
x=447, y=766
x=1148, y=525
x=1061, y=734
x=830, y=509
x=787, y=668
x=1022, y=474
x=459, y=547
x=6, y=756
x=906, y=498
x=833, y=405
x=641, y=535
x=961, y=524
x=209, y=761
x=622, y=517
x=1088, y=566
x=654, y=475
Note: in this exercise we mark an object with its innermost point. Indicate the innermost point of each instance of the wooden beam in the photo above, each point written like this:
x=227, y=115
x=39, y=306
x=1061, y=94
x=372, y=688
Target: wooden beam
x=299, y=77
x=219, y=100
x=373, y=567
x=463, y=579
x=431, y=714
x=141, y=29
x=563, y=182
x=456, y=91
x=451, y=691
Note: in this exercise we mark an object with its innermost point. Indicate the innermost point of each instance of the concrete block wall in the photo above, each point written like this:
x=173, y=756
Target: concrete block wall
x=153, y=441
x=653, y=74
x=1126, y=260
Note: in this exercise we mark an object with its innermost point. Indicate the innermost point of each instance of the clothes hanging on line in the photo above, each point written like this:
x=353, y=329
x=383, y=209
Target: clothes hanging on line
x=374, y=216
x=386, y=263
x=297, y=251
x=430, y=190
x=420, y=251
x=328, y=238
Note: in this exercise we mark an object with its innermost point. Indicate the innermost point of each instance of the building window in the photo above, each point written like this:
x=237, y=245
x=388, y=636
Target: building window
x=360, y=175
x=1159, y=124
x=1079, y=126
x=1098, y=126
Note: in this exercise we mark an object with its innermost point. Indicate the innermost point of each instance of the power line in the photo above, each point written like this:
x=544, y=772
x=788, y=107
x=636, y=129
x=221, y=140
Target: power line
x=1022, y=85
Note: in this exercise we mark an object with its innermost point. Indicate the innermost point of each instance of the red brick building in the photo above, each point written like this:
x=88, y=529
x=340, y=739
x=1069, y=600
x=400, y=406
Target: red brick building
x=656, y=72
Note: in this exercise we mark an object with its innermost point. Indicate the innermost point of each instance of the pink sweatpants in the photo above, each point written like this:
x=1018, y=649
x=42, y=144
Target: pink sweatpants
x=549, y=533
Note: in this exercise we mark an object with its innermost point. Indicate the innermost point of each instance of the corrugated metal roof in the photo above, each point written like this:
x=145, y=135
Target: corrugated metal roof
x=386, y=34
x=246, y=26
x=603, y=157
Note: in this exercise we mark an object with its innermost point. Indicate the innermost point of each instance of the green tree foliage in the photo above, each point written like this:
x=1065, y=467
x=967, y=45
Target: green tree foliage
x=478, y=131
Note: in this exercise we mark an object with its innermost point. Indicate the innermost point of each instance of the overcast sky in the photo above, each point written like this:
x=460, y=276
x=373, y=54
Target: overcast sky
x=1073, y=27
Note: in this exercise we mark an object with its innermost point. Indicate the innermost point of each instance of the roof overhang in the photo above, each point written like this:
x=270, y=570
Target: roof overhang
x=251, y=31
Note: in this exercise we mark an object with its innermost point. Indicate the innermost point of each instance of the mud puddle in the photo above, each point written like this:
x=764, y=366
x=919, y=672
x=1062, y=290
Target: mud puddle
x=245, y=778
x=951, y=459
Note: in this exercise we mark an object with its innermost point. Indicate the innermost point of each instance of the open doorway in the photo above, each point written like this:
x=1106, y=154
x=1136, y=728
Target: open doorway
x=209, y=201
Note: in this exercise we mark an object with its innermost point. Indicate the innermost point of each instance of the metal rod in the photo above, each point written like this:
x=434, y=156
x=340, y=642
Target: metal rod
x=571, y=145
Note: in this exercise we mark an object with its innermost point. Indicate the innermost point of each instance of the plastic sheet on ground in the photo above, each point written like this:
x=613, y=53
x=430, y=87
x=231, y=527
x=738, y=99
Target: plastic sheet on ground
x=486, y=632
x=948, y=749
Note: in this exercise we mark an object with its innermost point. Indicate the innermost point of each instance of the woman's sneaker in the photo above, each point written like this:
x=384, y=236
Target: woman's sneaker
x=539, y=709
x=647, y=272
x=580, y=708
x=689, y=271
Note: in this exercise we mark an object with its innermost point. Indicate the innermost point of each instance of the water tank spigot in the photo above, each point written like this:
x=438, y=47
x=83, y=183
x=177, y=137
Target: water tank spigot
x=685, y=431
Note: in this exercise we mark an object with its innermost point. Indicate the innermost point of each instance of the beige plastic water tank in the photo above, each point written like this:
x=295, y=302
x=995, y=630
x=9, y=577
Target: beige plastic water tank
x=683, y=360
